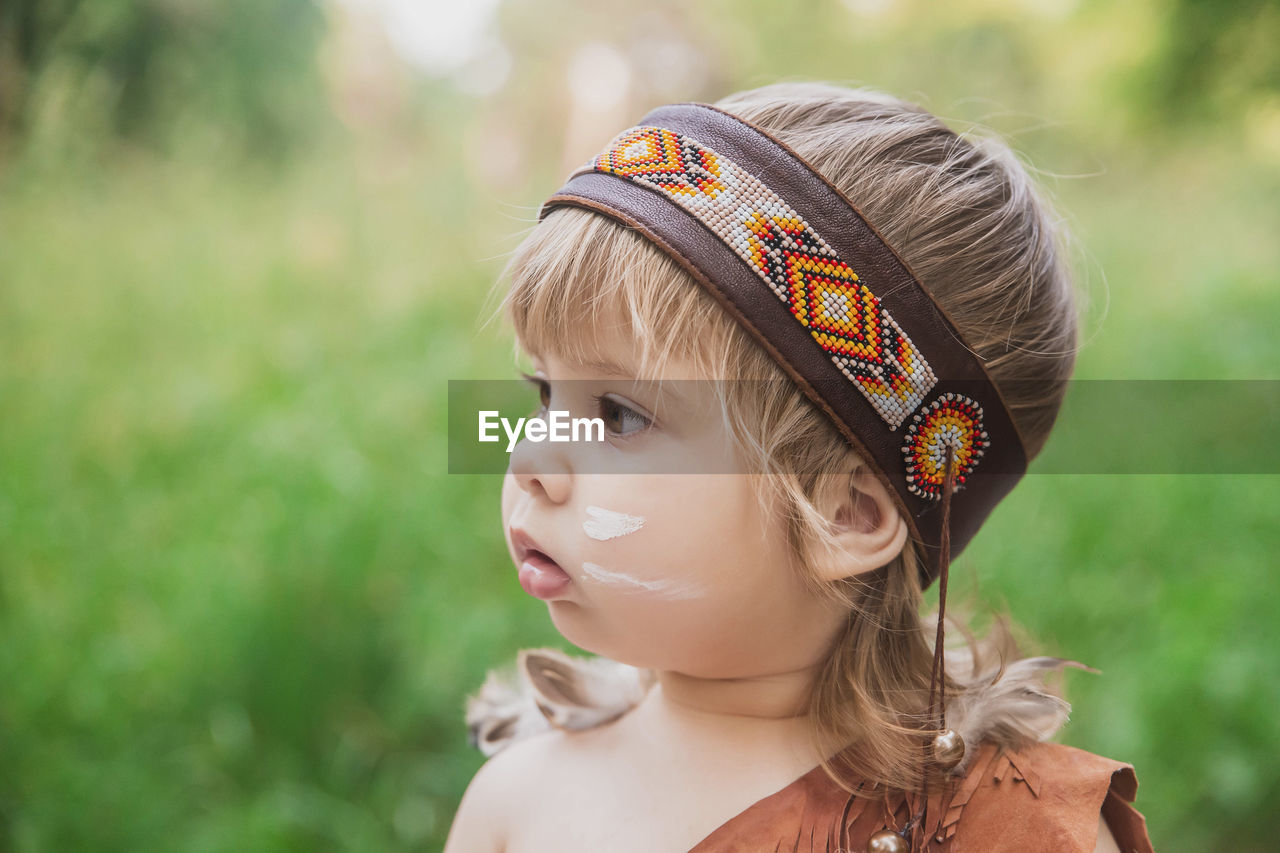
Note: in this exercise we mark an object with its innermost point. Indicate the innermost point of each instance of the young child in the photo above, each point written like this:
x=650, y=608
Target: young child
x=898, y=298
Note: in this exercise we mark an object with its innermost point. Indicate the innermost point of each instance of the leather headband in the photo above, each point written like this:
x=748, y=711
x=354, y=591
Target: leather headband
x=795, y=262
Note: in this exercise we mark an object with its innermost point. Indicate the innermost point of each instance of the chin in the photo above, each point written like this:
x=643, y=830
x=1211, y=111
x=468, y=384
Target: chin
x=576, y=625
x=568, y=619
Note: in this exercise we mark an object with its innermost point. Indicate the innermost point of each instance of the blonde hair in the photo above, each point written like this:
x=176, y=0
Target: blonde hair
x=965, y=214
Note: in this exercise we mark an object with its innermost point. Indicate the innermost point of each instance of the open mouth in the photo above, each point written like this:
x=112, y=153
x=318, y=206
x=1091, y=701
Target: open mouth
x=540, y=576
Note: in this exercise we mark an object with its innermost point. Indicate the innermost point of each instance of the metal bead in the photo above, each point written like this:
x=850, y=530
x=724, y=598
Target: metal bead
x=948, y=749
x=887, y=841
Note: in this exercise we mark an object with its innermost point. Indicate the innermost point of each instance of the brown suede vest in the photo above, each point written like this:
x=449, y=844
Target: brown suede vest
x=1043, y=797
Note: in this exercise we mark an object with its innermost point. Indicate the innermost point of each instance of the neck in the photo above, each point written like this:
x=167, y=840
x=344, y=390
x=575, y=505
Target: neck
x=721, y=720
x=772, y=698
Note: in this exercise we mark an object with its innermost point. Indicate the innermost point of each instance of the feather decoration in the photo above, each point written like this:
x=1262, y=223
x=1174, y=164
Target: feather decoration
x=1009, y=706
x=548, y=689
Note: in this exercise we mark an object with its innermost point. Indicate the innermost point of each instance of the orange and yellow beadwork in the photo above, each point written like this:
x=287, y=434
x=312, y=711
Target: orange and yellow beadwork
x=952, y=419
x=821, y=291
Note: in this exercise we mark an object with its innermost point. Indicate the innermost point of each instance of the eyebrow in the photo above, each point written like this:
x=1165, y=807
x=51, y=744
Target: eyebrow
x=601, y=365
x=610, y=368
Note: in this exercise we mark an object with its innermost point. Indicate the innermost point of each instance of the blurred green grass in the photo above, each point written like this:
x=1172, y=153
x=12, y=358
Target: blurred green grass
x=233, y=570
x=241, y=602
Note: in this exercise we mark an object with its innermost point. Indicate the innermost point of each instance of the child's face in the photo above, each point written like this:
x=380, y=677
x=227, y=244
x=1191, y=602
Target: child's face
x=673, y=571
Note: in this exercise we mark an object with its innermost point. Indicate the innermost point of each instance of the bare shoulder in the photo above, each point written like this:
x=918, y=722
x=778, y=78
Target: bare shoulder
x=484, y=817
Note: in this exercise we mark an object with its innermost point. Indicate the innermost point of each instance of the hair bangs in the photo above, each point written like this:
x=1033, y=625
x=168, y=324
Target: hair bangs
x=581, y=279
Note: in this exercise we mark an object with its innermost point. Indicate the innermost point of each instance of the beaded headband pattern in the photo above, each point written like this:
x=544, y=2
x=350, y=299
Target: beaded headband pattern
x=796, y=263
x=823, y=292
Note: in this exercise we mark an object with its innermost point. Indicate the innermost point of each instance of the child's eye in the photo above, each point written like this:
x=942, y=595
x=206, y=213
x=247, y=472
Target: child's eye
x=619, y=419
x=544, y=392
x=616, y=415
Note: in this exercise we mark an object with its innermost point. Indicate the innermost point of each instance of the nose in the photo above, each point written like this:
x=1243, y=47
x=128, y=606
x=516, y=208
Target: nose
x=540, y=467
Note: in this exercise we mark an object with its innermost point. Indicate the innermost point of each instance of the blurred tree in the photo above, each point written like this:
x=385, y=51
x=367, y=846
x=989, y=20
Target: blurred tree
x=1213, y=59
x=242, y=69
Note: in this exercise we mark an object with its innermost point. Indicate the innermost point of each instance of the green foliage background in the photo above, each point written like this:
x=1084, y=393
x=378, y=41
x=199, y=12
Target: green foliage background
x=241, y=602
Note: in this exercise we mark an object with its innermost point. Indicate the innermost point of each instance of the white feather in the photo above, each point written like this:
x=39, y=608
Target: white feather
x=549, y=689
x=1008, y=707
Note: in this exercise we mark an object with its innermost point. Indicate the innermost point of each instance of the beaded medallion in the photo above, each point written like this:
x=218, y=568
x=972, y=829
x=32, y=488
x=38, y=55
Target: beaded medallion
x=952, y=419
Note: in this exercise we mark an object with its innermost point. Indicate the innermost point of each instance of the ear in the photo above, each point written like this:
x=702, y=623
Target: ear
x=867, y=526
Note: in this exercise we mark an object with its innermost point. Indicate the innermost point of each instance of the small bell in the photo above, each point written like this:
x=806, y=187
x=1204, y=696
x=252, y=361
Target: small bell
x=948, y=749
x=887, y=841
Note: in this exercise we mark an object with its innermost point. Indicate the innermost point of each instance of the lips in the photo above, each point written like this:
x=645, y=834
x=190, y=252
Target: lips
x=540, y=576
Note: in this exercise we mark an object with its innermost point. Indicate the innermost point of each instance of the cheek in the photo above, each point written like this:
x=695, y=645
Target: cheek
x=635, y=549
x=641, y=583
x=669, y=546
x=509, y=489
x=680, y=541
x=603, y=524
x=740, y=548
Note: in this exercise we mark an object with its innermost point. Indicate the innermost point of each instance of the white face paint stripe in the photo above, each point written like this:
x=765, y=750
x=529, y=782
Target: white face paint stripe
x=666, y=589
x=605, y=524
